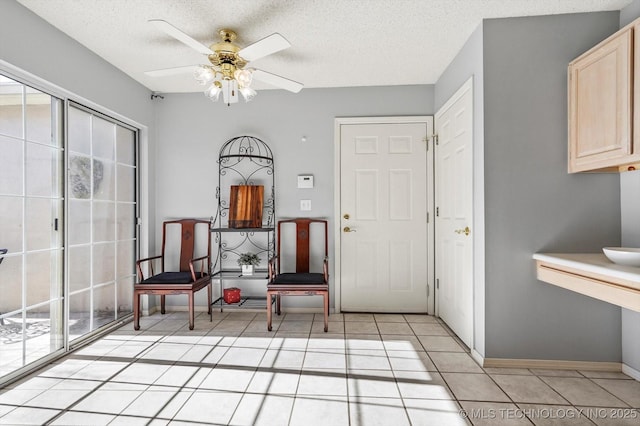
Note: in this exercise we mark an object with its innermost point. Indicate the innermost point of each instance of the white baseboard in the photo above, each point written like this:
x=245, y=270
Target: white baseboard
x=152, y=310
x=178, y=308
x=631, y=372
x=477, y=357
x=552, y=364
x=306, y=311
x=203, y=308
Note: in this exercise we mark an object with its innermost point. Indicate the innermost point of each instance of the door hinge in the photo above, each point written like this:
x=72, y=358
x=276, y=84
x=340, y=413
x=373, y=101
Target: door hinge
x=438, y=283
x=427, y=217
x=437, y=211
x=427, y=290
x=55, y=224
x=435, y=138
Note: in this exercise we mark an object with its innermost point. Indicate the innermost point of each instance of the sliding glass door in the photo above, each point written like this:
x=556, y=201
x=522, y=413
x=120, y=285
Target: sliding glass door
x=68, y=214
x=31, y=232
x=101, y=220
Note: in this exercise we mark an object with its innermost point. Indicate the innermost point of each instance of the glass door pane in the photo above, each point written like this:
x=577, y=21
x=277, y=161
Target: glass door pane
x=31, y=225
x=101, y=220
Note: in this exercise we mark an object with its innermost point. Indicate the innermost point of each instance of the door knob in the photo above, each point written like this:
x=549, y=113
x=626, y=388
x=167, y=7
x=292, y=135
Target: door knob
x=465, y=231
x=347, y=229
x=346, y=216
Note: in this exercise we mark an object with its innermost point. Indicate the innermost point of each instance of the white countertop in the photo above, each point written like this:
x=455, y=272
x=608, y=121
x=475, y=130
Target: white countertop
x=596, y=263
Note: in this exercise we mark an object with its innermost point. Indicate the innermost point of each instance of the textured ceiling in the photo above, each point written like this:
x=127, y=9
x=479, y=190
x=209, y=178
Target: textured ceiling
x=334, y=43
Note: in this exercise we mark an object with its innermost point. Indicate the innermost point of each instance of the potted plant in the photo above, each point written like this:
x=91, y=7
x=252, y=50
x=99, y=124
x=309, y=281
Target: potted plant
x=248, y=261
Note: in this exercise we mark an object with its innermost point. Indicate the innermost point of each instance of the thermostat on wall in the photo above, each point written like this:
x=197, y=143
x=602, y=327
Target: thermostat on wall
x=305, y=181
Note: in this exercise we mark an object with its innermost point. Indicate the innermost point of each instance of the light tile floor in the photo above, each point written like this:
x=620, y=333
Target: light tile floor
x=368, y=370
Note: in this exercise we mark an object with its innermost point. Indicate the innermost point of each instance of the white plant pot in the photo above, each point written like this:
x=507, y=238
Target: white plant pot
x=247, y=269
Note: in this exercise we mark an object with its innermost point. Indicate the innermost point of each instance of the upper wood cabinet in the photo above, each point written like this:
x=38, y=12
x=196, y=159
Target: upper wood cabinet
x=604, y=105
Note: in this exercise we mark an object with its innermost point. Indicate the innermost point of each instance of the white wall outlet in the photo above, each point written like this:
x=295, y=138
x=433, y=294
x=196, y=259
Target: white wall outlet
x=305, y=181
x=305, y=205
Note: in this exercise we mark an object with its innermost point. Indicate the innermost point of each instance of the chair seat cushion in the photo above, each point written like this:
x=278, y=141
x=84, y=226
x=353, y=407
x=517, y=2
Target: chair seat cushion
x=172, y=278
x=298, y=278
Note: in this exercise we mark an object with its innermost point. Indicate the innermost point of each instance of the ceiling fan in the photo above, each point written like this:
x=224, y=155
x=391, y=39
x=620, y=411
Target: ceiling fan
x=226, y=73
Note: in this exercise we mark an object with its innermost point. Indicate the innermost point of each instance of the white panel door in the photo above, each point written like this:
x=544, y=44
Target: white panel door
x=454, y=215
x=383, y=217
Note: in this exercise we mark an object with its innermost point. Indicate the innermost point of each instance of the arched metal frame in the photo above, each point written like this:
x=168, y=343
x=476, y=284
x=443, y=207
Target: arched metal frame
x=243, y=160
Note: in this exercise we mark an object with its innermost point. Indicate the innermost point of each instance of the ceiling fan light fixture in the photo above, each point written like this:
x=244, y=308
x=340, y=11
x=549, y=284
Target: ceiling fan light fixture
x=248, y=93
x=213, y=91
x=203, y=75
x=243, y=77
x=226, y=74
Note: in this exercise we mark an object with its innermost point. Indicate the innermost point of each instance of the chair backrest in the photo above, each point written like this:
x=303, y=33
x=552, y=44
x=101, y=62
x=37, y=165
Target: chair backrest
x=303, y=250
x=188, y=240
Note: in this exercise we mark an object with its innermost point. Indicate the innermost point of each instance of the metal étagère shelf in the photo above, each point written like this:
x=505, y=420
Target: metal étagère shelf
x=243, y=160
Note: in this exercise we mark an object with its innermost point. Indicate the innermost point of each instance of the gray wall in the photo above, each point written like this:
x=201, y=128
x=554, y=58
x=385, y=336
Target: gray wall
x=629, y=13
x=630, y=194
x=532, y=204
x=468, y=63
x=630, y=206
x=191, y=131
x=40, y=52
x=34, y=45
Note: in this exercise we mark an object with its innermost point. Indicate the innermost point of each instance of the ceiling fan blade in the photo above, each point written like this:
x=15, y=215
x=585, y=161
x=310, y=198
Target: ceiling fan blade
x=171, y=71
x=261, y=48
x=277, y=81
x=180, y=36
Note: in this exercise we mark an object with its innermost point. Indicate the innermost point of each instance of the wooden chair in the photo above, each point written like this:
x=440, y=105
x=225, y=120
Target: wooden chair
x=302, y=282
x=193, y=274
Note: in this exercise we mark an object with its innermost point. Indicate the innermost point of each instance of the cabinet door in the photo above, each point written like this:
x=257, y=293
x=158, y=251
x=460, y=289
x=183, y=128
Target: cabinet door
x=600, y=96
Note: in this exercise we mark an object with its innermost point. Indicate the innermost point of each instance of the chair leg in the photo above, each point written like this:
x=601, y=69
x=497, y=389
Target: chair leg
x=162, y=297
x=191, y=313
x=136, y=310
x=326, y=311
x=269, y=309
x=278, y=303
x=209, y=302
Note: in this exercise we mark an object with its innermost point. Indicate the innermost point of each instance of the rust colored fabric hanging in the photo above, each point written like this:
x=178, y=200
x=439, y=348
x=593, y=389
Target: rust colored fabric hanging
x=245, y=206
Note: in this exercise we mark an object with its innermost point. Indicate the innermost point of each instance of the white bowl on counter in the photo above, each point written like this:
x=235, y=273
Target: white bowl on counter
x=627, y=256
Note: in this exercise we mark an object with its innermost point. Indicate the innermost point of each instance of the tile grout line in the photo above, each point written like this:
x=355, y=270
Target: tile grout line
x=245, y=391
x=393, y=373
x=610, y=393
x=182, y=387
x=136, y=360
x=455, y=398
x=91, y=392
x=346, y=370
x=234, y=337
